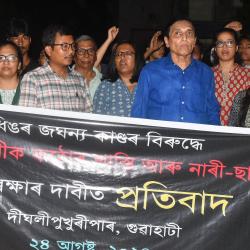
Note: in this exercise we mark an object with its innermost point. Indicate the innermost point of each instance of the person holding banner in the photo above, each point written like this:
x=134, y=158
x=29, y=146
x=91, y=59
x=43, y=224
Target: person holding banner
x=177, y=87
x=10, y=68
x=53, y=85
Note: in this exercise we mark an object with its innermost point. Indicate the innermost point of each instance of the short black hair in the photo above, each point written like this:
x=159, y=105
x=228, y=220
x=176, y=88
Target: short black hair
x=17, y=27
x=49, y=34
x=245, y=36
x=167, y=30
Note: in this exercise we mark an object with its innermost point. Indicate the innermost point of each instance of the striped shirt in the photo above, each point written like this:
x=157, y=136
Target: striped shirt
x=43, y=88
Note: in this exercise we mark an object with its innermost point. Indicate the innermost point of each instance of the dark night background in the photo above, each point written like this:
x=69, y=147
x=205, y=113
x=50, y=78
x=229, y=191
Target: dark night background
x=84, y=17
x=137, y=19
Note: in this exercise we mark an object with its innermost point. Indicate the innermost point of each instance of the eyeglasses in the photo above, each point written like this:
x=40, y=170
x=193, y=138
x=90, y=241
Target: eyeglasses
x=228, y=43
x=9, y=58
x=124, y=53
x=65, y=46
x=82, y=51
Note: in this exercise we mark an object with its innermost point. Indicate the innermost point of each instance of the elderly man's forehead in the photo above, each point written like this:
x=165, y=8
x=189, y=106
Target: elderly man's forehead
x=182, y=24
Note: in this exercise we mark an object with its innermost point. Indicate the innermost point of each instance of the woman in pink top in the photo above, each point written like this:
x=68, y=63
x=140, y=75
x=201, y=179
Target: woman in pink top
x=230, y=77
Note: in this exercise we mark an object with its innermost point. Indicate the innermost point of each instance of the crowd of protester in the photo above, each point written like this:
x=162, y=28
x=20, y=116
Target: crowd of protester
x=173, y=80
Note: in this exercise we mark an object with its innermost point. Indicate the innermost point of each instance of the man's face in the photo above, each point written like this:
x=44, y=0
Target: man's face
x=181, y=40
x=23, y=42
x=85, y=56
x=62, y=52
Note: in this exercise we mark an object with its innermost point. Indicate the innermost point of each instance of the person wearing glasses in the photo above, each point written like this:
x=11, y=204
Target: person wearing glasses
x=10, y=68
x=177, y=87
x=85, y=58
x=53, y=85
x=230, y=77
x=18, y=33
x=115, y=95
x=88, y=58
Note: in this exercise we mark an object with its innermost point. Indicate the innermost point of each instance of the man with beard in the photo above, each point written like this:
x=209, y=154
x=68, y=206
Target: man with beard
x=53, y=85
x=19, y=34
x=177, y=87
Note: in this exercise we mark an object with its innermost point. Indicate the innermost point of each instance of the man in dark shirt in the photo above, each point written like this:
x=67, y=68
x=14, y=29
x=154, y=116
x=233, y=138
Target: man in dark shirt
x=19, y=34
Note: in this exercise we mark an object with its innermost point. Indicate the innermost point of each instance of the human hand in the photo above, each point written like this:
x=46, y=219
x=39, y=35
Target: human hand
x=112, y=33
x=235, y=25
x=155, y=44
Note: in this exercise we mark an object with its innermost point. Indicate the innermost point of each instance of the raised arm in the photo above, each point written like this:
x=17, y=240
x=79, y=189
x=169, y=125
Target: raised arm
x=155, y=44
x=112, y=33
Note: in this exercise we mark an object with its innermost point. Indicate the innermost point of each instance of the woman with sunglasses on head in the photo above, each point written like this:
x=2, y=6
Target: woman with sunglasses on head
x=230, y=77
x=10, y=68
x=115, y=95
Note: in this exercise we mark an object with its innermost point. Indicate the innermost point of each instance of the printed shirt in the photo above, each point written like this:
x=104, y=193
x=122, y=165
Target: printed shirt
x=43, y=88
x=113, y=98
x=239, y=79
x=166, y=92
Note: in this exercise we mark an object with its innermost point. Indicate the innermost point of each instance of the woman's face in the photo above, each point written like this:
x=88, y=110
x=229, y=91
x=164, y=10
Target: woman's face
x=226, y=47
x=9, y=63
x=125, y=59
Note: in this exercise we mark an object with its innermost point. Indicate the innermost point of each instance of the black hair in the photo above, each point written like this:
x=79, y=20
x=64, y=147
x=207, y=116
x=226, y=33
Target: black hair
x=245, y=36
x=112, y=74
x=49, y=34
x=227, y=30
x=237, y=58
x=17, y=27
x=16, y=48
x=167, y=30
